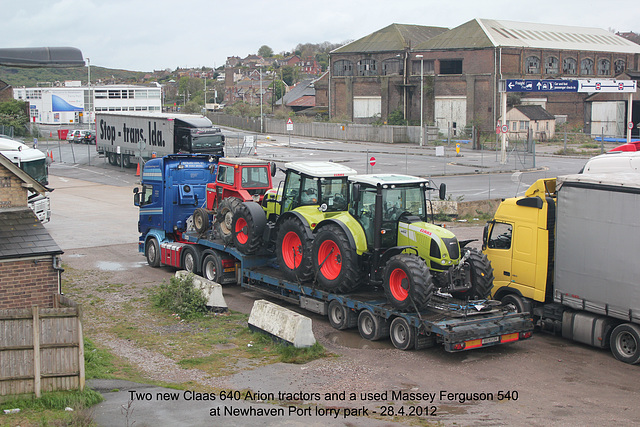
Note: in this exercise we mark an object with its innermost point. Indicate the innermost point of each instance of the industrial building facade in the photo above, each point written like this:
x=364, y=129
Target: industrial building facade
x=460, y=70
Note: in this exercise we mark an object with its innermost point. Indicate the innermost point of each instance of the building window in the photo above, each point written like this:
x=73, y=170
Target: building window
x=586, y=67
x=450, y=66
x=532, y=65
x=604, y=67
x=367, y=67
x=429, y=67
x=524, y=125
x=551, y=65
x=569, y=66
x=342, y=68
x=619, y=66
x=392, y=66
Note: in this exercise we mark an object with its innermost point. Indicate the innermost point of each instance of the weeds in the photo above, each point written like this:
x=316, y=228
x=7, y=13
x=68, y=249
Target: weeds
x=180, y=297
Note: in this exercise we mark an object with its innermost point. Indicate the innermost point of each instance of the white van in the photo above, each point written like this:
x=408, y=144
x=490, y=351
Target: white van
x=613, y=161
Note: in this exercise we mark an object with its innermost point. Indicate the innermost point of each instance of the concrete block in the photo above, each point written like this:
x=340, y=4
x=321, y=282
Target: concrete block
x=212, y=291
x=282, y=323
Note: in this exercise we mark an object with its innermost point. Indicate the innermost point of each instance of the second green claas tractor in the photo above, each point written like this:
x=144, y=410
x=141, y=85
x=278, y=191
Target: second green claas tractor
x=373, y=233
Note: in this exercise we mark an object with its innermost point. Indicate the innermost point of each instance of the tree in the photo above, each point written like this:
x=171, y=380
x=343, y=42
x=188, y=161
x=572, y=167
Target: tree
x=289, y=74
x=13, y=113
x=265, y=51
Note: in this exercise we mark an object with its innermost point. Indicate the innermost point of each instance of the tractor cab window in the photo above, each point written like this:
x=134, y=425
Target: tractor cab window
x=255, y=177
x=334, y=194
x=500, y=237
x=291, y=191
x=364, y=211
x=309, y=193
x=396, y=201
x=225, y=174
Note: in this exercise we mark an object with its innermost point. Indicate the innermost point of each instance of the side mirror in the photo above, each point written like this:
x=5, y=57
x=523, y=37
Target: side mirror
x=485, y=235
x=136, y=198
x=443, y=191
x=272, y=166
x=356, y=192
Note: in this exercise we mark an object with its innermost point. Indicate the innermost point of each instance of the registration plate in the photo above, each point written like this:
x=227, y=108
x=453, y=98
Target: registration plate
x=490, y=340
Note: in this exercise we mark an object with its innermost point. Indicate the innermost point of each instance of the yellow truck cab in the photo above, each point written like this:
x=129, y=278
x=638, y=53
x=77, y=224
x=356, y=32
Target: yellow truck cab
x=519, y=242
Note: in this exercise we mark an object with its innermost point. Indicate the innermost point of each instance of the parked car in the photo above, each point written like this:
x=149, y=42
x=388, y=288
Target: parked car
x=72, y=135
x=88, y=137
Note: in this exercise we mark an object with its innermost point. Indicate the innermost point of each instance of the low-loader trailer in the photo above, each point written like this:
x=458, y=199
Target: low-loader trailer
x=169, y=237
x=565, y=253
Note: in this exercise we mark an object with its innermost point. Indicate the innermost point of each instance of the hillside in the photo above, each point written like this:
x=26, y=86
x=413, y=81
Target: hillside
x=30, y=77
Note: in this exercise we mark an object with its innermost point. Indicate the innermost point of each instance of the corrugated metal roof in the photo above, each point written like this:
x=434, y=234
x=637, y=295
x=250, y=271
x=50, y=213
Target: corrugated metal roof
x=481, y=33
x=395, y=37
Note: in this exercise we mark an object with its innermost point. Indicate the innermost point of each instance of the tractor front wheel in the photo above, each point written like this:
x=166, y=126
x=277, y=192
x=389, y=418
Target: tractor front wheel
x=407, y=282
x=336, y=263
x=294, y=250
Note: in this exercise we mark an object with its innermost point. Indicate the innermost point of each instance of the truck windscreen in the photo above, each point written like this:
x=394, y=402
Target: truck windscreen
x=37, y=169
x=207, y=143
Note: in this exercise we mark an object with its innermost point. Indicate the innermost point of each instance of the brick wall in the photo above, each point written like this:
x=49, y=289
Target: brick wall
x=12, y=194
x=23, y=283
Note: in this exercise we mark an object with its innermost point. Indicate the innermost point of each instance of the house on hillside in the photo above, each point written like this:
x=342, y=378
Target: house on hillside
x=30, y=266
x=525, y=120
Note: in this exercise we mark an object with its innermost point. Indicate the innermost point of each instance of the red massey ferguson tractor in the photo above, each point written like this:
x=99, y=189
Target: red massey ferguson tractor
x=239, y=179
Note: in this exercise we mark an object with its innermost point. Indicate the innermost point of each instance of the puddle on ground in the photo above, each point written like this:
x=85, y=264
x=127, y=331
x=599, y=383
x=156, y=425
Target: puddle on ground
x=75, y=256
x=110, y=266
x=352, y=339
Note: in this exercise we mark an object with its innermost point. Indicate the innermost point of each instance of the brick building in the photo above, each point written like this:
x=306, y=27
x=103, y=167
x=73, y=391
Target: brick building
x=6, y=92
x=29, y=257
x=462, y=67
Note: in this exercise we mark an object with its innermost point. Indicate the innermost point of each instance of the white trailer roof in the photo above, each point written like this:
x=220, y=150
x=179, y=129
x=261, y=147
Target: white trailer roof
x=16, y=150
x=387, y=179
x=617, y=179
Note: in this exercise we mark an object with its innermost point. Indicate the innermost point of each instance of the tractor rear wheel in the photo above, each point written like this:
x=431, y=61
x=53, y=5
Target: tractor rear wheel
x=294, y=250
x=335, y=262
x=248, y=229
x=224, y=218
x=407, y=282
x=481, y=277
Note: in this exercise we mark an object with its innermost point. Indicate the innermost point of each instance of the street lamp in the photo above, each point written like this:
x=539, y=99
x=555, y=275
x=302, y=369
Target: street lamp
x=421, y=98
x=89, y=88
x=261, y=128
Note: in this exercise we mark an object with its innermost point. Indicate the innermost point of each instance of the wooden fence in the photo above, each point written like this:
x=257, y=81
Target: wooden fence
x=41, y=349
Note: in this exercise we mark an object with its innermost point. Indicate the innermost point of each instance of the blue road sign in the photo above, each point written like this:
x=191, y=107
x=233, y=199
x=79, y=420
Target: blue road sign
x=522, y=85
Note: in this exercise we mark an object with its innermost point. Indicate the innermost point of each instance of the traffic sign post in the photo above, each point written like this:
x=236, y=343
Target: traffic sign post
x=289, y=129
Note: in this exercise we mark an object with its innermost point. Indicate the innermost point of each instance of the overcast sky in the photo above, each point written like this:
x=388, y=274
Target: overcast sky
x=151, y=35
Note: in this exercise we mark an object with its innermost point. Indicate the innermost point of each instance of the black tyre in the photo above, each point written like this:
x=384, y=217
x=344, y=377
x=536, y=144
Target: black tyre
x=152, y=252
x=481, y=277
x=248, y=225
x=403, y=335
x=335, y=262
x=372, y=327
x=341, y=317
x=126, y=161
x=212, y=267
x=293, y=249
x=625, y=343
x=224, y=219
x=112, y=157
x=407, y=282
x=514, y=302
x=190, y=260
x=201, y=220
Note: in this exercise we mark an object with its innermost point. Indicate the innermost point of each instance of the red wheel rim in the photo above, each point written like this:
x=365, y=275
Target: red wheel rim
x=292, y=250
x=333, y=264
x=396, y=278
x=241, y=234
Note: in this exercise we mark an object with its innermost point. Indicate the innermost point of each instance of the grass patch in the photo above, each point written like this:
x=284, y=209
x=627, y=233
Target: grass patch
x=288, y=353
x=98, y=363
x=179, y=296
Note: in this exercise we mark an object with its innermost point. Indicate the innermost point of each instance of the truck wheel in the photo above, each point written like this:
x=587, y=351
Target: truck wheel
x=336, y=264
x=407, y=282
x=112, y=158
x=224, y=218
x=126, y=161
x=403, y=335
x=201, y=220
x=294, y=250
x=190, y=261
x=481, y=277
x=372, y=327
x=341, y=317
x=513, y=301
x=247, y=229
x=625, y=343
x=212, y=267
x=152, y=252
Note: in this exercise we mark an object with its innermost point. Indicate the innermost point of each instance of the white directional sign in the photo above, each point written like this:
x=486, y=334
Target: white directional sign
x=602, y=85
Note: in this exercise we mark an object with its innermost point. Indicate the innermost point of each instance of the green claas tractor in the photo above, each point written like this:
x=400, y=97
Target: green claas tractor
x=375, y=234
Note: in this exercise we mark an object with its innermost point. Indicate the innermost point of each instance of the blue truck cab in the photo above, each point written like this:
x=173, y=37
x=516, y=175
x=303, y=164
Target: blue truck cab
x=172, y=188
